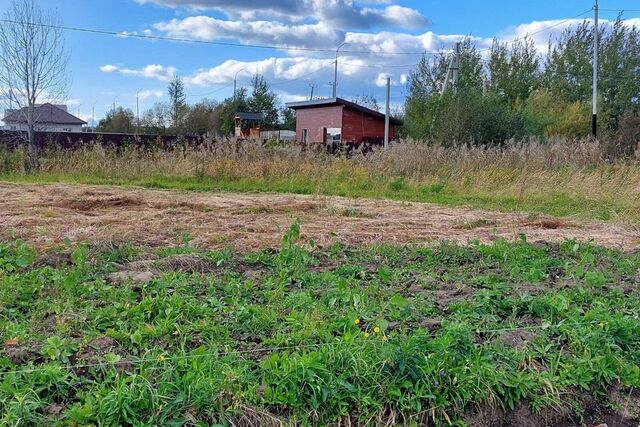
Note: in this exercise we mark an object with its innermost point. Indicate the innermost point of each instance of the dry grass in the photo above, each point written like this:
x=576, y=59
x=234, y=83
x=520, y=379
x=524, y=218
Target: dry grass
x=45, y=215
x=559, y=178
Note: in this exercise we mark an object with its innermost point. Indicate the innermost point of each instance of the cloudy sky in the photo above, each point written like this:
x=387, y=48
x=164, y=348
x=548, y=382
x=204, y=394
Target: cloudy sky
x=291, y=42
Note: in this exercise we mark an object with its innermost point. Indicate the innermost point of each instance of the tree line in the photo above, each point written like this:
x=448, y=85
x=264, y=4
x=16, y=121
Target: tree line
x=517, y=91
x=206, y=117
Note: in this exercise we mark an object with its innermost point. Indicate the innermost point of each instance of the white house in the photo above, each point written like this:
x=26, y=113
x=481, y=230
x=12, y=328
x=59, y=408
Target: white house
x=48, y=118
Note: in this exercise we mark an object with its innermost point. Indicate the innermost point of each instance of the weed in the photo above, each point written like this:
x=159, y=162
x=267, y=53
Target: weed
x=353, y=333
x=397, y=184
x=558, y=178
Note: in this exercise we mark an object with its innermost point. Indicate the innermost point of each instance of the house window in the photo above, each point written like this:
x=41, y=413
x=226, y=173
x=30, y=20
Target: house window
x=305, y=136
x=334, y=136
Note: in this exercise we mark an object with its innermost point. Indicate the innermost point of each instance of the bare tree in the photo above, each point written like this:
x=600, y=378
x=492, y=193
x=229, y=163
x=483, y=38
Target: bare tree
x=33, y=65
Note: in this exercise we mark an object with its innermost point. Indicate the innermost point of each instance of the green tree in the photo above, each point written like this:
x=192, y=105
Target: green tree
x=119, y=120
x=178, y=103
x=424, y=105
x=288, y=119
x=263, y=100
x=514, y=70
x=228, y=109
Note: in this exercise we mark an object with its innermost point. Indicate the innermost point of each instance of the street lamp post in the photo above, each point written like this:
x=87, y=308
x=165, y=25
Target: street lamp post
x=335, y=74
x=235, y=78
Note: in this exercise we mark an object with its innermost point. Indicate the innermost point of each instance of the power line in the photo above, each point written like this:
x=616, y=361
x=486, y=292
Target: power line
x=303, y=76
x=208, y=42
x=620, y=10
x=353, y=64
x=557, y=24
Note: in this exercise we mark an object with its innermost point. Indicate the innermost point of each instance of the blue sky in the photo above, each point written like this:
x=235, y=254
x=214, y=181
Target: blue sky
x=107, y=68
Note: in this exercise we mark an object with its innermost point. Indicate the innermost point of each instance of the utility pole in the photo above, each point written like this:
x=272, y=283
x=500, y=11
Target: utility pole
x=594, y=116
x=312, y=87
x=452, y=71
x=386, y=115
x=456, y=69
x=114, y=103
x=93, y=115
x=335, y=73
x=138, y=111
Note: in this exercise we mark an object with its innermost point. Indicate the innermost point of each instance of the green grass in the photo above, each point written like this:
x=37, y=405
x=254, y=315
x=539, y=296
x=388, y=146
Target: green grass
x=557, y=203
x=311, y=336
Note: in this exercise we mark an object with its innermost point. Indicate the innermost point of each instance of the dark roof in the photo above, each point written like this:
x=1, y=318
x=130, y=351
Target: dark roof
x=250, y=116
x=45, y=113
x=330, y=102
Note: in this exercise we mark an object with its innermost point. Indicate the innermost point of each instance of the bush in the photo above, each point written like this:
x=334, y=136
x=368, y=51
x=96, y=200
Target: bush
x=465, y=117
x=626, y=140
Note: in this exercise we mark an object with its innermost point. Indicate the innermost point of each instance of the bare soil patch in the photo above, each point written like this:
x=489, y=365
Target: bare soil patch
x=45, y=215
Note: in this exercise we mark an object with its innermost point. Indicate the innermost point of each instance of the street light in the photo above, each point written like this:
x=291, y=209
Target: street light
x=235, y=78
x=335, y=75
x=138, y=109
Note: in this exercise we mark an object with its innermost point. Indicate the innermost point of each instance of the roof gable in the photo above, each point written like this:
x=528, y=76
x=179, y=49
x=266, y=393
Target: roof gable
x=249, y=116
x=45, y=113
x=327, y=102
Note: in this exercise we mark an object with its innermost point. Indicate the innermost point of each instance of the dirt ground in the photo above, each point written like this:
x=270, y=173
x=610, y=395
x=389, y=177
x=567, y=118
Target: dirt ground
x=47, y=214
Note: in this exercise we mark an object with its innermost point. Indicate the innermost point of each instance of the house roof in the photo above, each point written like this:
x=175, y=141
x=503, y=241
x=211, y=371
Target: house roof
x=330, y=102
x=250, y=116
x=45, y=113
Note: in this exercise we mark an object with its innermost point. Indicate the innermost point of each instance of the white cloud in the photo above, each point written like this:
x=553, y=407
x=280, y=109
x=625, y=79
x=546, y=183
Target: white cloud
x=291, y=74
x=155, y=71
x=285, y=69
x=146, y=94
x=109, y=68
x=541, y=31
x=256, y=32
x=289, y=97
x=72, y=102
x=338, y=14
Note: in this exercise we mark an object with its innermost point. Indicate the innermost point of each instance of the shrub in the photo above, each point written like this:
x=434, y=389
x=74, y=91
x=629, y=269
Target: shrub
x=465, y=117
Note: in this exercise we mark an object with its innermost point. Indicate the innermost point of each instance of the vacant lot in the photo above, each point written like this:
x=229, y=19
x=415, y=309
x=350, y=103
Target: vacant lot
x=485, y=335
x=45, y=215
x=128, y=306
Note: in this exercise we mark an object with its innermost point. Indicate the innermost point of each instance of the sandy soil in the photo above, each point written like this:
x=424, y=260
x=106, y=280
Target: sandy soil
x=47, y=214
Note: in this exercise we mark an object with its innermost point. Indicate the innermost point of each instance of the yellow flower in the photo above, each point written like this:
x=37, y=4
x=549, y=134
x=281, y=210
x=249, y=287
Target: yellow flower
x=161, y=358
x=357, y=321
x=376, y=330
x=384, y=338
x=366, y=334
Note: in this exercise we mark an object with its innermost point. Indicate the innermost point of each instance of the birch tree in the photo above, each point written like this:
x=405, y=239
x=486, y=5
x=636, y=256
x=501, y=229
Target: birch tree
x=33, y=65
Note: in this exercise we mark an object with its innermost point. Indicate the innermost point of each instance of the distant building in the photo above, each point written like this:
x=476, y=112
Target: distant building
x=248, y=125
x=335, y=121
x=48, y=118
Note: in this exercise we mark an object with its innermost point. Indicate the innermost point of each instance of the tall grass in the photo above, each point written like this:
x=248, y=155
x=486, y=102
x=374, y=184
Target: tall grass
x=554, y=177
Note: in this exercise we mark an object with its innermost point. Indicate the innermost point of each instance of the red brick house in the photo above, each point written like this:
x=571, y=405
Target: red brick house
x=338, y=121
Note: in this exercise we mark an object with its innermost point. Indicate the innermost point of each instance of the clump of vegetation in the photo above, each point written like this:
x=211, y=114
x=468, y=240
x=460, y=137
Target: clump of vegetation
x=309, y=336
x=558, y=178
x=519, y=91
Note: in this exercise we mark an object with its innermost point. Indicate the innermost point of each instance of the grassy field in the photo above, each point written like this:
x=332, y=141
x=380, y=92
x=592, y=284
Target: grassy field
x=556, y=178
x=377, y=335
